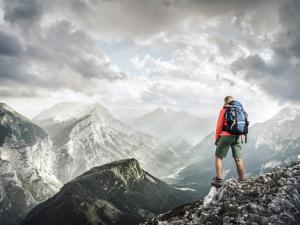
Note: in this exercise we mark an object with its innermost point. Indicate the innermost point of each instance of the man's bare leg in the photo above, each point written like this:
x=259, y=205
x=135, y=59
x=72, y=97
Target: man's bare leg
x=218, y=165
x=240, y=168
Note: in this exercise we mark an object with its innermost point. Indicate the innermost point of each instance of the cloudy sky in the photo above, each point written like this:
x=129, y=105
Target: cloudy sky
x=135, y=55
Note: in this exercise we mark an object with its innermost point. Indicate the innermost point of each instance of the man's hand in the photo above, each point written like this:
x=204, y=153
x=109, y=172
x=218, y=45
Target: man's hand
x=216, y=142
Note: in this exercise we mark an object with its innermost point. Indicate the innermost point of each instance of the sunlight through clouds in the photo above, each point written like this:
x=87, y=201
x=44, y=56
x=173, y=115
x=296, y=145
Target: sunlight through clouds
x=140, y=55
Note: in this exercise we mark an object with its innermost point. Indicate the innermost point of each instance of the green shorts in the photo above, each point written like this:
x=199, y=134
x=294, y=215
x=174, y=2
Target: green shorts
x=229, y=141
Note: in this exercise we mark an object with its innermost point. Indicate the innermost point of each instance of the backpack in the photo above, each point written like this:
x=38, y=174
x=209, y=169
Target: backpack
x=236, y=119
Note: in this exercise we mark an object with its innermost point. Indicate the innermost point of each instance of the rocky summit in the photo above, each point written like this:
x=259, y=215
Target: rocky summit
x=120, y=192
x=272, y=198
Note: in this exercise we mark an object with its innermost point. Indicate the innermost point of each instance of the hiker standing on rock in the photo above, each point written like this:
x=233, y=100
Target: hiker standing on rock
x=232, y=125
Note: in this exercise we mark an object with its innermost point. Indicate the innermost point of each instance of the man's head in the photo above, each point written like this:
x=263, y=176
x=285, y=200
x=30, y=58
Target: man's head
x=228, y=99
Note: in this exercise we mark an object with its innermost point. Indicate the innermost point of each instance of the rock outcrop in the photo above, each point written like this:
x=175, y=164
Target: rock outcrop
x=272, y=198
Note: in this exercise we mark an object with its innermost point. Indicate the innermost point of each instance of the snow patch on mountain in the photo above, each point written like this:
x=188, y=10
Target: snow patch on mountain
x=272, y=164
x=185, y=189
x=150, y=178
x=174, y=175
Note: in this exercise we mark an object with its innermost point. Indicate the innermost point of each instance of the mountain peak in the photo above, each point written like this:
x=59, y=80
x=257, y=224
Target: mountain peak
x=127, y=169
x=121, y=163
x=100, y=111
x=289, y=113
x=4, y=108
x=292, y=110
x=157, y=110
x=4, y=105
x=68, y=110
x=18, y=128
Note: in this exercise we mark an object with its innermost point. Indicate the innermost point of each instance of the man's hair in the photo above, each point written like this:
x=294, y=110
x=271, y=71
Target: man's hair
x=228, y=99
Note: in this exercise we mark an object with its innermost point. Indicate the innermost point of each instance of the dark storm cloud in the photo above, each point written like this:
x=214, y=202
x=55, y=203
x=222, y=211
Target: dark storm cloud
x=9, y=45
x=219, y=7
x=281, y=80
x=141, y=19
x=255, y=64
x=76, y=50
x=11, y=60
x=22, y=11
x=58, y=56
x=280, y=76
x=11, y=70
x=288, y=42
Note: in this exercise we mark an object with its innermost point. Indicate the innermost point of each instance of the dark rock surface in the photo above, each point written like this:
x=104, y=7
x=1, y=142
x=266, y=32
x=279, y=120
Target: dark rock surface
x=116, y=193
x=272, y=198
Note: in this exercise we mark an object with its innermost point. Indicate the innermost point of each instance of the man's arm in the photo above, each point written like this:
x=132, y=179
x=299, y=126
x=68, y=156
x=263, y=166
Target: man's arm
x=220, y=124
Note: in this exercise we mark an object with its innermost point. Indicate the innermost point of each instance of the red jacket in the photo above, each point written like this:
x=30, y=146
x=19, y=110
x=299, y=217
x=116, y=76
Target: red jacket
x=220, y=124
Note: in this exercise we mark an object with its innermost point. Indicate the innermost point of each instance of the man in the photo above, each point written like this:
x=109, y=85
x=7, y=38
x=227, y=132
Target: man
x=223, y=140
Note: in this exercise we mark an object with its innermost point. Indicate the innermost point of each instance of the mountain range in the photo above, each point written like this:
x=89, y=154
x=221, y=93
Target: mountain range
x=178, y=129
x=86, y=135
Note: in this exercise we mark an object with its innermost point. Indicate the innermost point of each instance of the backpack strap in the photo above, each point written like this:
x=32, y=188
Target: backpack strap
x=224, y=127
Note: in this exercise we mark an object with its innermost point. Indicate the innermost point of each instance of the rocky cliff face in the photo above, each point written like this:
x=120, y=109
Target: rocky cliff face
x=26, y=166
x=116, y=193
x=272, y=198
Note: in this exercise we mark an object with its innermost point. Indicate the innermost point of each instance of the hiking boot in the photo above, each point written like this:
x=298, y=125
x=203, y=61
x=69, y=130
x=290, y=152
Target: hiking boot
x=241, y=179
x=217, y=182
